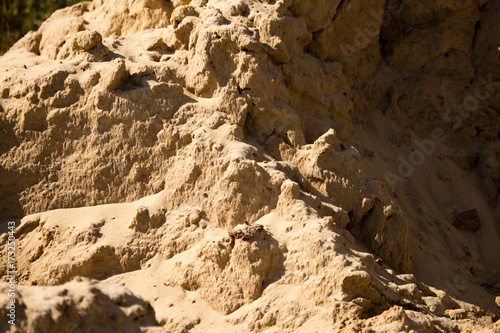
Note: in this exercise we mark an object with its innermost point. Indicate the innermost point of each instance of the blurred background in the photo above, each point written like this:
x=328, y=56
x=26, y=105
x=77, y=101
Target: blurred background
x=17, y=17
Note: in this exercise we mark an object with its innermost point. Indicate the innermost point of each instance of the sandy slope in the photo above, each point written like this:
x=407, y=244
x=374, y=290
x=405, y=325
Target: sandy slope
x=254, y=166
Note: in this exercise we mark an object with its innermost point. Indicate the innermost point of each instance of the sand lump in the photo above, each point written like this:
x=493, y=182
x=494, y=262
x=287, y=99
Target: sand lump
x=256, y=166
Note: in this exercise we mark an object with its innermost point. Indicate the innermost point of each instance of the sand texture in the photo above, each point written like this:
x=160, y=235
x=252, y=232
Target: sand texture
x=254, y=166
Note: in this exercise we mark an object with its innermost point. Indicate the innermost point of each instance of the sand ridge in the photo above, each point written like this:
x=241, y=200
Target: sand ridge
x=255, y=166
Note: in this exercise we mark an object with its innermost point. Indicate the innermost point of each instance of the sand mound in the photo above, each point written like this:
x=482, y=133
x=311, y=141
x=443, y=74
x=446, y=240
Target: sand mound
x=277, y=166
x=78, y=306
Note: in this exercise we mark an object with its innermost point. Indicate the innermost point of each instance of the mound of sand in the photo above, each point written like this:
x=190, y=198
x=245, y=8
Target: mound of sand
x=255, y=166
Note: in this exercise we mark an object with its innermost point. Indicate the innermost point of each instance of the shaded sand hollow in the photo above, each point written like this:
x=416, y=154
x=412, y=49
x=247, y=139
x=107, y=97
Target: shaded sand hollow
x=253, y=166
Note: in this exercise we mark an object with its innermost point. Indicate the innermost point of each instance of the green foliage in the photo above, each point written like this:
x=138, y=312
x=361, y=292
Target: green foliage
x=17, y=17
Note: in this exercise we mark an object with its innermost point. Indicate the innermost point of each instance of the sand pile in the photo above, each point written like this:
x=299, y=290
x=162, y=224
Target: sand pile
x=254, y=166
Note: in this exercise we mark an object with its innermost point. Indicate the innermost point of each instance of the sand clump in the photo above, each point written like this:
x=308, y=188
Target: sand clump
x=81, y=305
x=256, y=166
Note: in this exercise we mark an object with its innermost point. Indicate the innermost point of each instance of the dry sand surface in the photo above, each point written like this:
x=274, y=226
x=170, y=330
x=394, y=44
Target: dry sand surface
x=253, y=166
